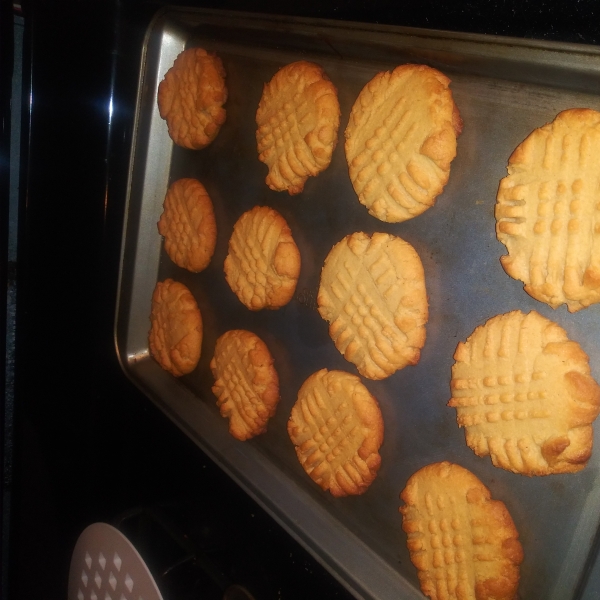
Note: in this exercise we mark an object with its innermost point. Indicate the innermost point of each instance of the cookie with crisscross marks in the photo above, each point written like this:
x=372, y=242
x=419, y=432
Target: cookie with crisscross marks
x=548, y=211
x=263, y=263
x=400, y=141
x=246, y=382
x=191, y=98
x=337, y=429
x=298, y=118
x=175, y=338
x=188, y=225
x=524, y=394
x=464, y=544
x=372, y=294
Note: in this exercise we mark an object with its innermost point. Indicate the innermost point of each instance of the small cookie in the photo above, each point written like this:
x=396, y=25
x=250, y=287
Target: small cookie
x=246, y=382
x=400, y=141
x=372, y=294
x=524, y=394
x=176, y=334
x=463, y=543
x=188, y=225
x=547, y=211
x=191, y=98
x=337, y=429
x=298, y=118
x=263, y=263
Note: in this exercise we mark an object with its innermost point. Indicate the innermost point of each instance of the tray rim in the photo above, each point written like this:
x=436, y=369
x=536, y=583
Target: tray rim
x=245, y=18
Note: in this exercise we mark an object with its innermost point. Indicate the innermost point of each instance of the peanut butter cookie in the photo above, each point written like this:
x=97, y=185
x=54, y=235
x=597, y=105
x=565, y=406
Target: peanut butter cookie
x=400, y=141
x=188, y=225
x=246, y=382
x=547, y=211
x=524, y=394
x=175, y=337
x=463, y=543
x=191, y=98
x=298, y=118
x=337, y=429
x=263, y=263
x=372, y=294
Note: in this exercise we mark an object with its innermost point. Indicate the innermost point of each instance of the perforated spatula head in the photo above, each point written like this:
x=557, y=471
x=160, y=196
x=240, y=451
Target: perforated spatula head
x=106, y=566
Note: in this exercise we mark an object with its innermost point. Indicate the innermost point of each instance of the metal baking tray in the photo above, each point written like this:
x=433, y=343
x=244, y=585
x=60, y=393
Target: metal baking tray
x=504, y=88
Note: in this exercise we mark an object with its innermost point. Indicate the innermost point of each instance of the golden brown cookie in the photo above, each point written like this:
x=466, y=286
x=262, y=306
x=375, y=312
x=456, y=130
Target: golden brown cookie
x=464, y=544
x=191, y=98
x=524, y=394
x=547, y=211
x=372, y=294
x=246, y=382
x=337, y=429
x=298, y=118
x=400, y=141
x=263, y=263
x=175, y=337
x=188, y=225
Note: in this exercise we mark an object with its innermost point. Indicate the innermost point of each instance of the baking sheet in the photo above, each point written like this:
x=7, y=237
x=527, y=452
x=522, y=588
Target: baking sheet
x=503, y=88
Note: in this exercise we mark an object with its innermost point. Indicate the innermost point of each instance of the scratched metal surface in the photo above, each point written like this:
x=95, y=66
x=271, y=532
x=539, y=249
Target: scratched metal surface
x=504, y=88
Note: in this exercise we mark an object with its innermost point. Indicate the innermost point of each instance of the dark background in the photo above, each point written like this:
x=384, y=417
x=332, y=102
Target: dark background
x=83, y=445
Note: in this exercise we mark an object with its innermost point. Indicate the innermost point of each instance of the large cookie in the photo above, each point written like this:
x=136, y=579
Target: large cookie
x=400, y=141
x=188, y=225
x=373, y=296
x=246, y=382
x=548, y=214
x=524, y=394
x=175, y=336
x=191, y=98
x=263, y=263
x=464, y=544
x=337, y=430
x=298, y=118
